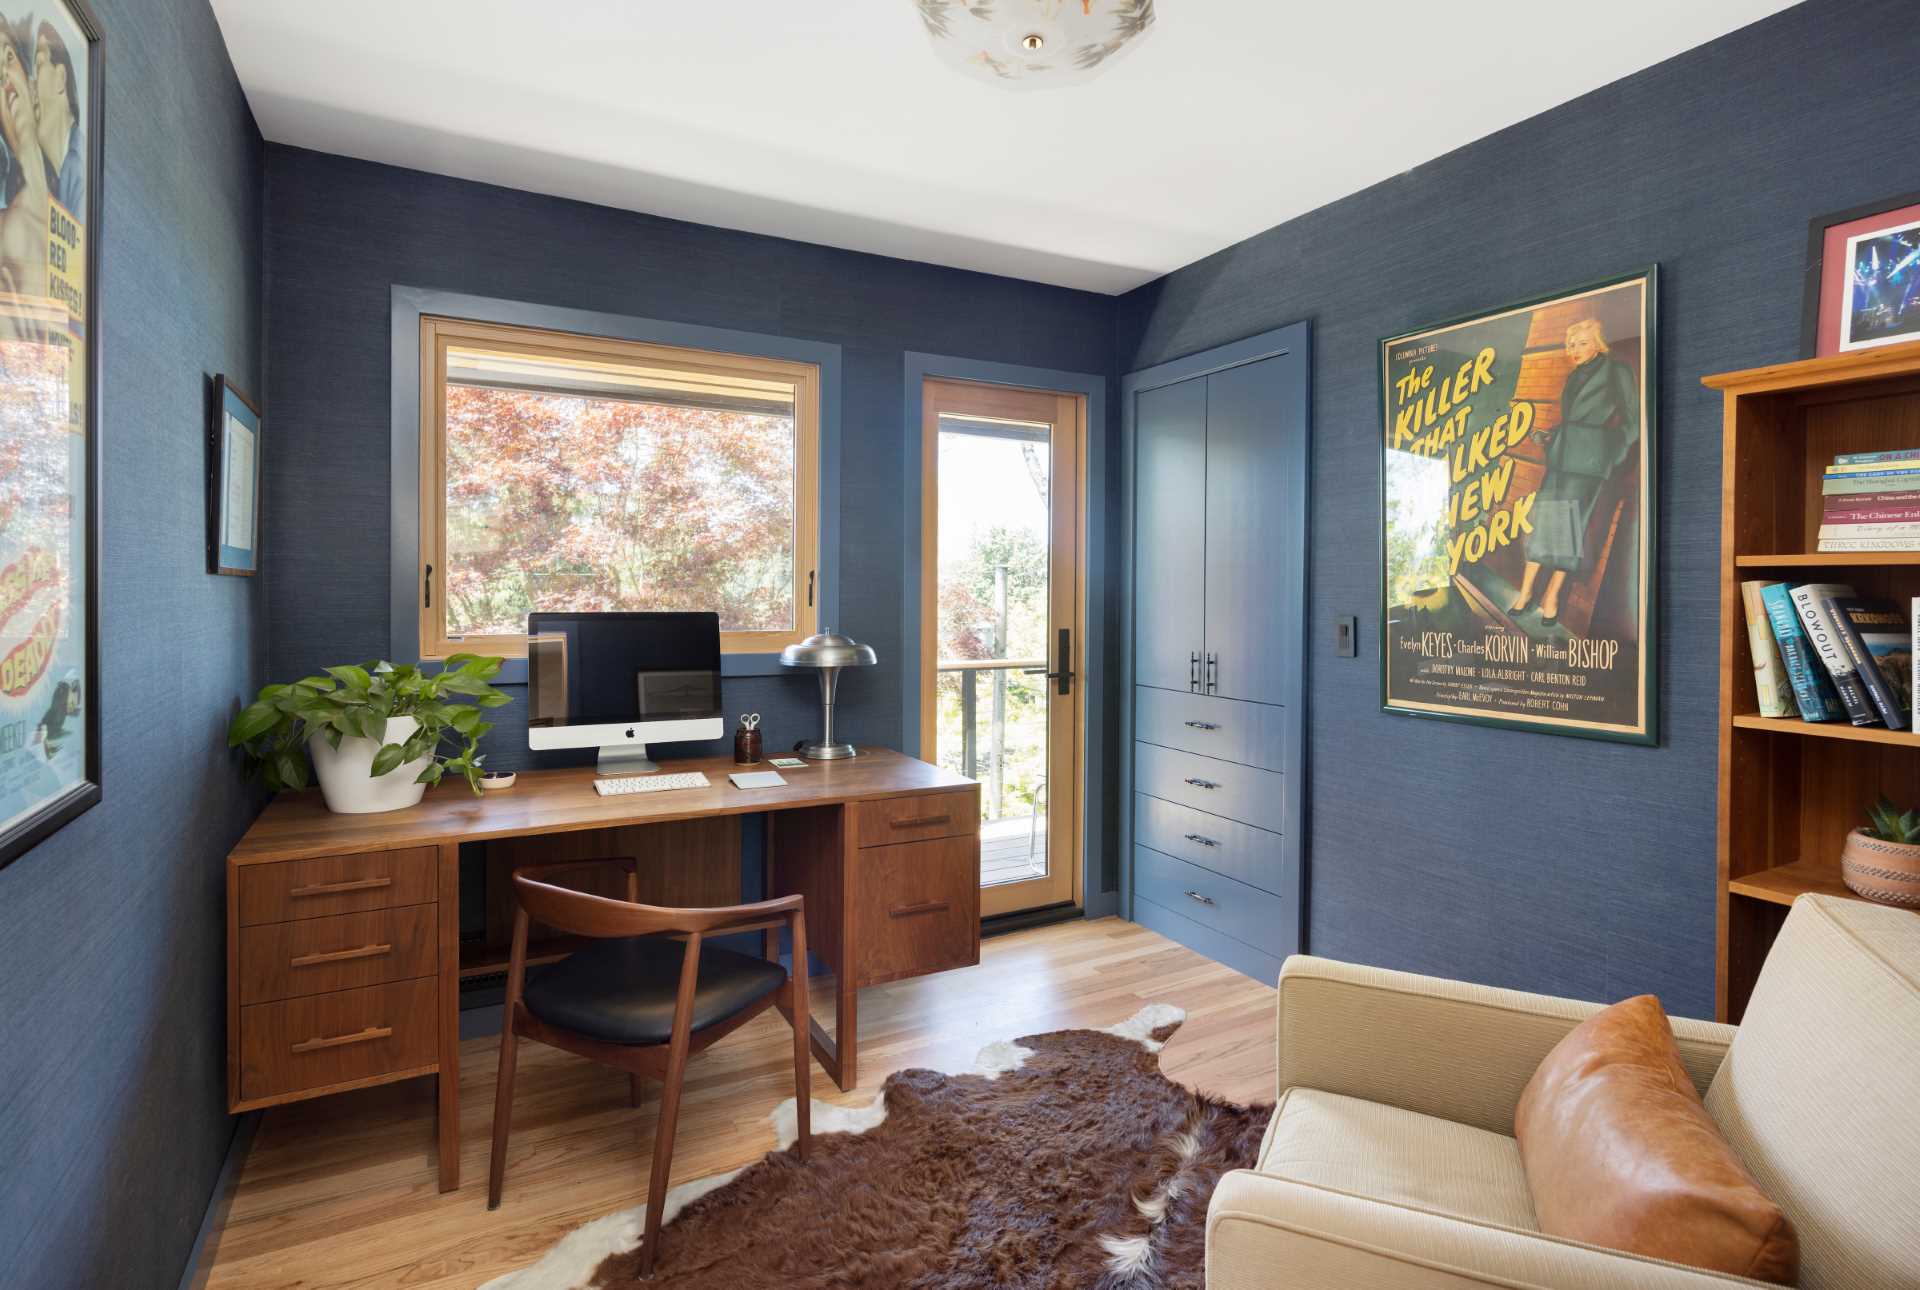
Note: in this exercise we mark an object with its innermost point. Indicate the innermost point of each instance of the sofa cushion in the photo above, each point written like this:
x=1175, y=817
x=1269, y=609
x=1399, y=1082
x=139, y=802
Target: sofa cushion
x=1402, y=1157
x=1619, y=1152
x=1820, y=1092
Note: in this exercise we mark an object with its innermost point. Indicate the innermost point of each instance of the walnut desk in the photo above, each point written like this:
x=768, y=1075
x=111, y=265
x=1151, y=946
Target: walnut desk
x=344, y=948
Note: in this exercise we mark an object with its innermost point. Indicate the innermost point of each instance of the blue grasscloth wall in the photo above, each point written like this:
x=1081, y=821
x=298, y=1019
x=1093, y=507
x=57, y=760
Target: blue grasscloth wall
x=1519, y=859
x=342, y=233
x=112, y=933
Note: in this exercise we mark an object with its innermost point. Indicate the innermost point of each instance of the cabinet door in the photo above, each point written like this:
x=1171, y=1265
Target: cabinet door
x=1169, y=542
x=1256, y=489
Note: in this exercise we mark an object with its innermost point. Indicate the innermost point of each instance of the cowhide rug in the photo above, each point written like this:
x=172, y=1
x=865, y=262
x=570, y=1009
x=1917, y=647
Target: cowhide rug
x=1063, y=1160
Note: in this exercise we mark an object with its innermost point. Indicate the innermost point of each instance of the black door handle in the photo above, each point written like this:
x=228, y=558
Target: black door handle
x=1064, y=674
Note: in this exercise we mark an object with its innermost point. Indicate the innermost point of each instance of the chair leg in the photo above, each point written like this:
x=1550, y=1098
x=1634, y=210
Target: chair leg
x=663, y=1151
x=502, y=1107
x=802, y=1070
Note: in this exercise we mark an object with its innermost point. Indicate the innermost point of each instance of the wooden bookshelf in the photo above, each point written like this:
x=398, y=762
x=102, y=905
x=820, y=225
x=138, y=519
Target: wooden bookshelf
x=1790, y=790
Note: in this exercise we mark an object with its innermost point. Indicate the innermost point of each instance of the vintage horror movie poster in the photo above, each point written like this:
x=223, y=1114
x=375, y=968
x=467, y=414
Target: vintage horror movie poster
x=1518, y=490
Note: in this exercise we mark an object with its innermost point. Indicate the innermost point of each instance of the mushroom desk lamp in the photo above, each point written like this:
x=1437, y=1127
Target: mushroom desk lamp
x=827, y=653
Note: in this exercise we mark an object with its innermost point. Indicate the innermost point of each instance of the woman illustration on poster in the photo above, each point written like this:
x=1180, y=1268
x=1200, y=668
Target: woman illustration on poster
x=1599, y=426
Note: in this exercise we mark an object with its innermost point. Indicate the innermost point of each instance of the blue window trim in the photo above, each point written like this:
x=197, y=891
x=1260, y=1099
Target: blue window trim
x=409, y=303
x=1094, y=704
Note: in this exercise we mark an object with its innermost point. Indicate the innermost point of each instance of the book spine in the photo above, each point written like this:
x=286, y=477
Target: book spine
x=1869, y=544
x=1813, y=617
x=1865, y=666
x=1870, y=528
x=1913, y=622
x=1775, y=691
x=1894, y=454
x=1906, y=497
x=1870, y=467
x=1843, y=485
x=1876, y=472
x=1872, y=513
x=1811, y=689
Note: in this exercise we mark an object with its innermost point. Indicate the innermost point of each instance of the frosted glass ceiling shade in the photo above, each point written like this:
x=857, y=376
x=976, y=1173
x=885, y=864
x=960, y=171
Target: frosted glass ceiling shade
x=1034, y=44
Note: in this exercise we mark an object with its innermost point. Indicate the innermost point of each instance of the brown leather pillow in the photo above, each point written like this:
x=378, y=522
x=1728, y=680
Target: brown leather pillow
x=1619, y=1152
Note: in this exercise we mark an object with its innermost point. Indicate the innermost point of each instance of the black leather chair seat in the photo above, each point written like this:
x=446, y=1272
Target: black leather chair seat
x=622, y=991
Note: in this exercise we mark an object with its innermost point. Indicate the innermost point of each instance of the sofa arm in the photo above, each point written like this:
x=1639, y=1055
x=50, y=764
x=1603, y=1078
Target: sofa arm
x=1267, y=1233
x=1446, y=1048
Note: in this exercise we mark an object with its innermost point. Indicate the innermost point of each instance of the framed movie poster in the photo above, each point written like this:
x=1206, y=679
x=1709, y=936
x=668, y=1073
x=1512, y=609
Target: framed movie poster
x=49, y=421
x=233, y=544
x=1518, y=511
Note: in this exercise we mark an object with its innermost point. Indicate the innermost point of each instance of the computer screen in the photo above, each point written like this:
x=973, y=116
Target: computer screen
x=612, y=669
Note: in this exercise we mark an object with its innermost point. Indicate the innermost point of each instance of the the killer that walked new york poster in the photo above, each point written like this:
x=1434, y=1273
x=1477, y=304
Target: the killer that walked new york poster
x=1518, y=504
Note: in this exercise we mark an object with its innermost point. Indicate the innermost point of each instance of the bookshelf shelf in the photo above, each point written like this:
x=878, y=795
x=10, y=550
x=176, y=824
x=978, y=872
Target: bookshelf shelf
x=1789, y=788
x=1828, y=730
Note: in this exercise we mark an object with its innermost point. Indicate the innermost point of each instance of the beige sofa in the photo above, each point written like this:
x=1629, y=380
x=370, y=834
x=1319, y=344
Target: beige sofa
x=1390, y=1161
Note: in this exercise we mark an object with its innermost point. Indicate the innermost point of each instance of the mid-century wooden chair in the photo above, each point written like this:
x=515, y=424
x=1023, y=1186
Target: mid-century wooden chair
x=639, y=1001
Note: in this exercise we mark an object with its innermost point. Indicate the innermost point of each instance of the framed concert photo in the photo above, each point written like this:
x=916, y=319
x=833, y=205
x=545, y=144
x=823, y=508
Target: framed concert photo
x=50, y=68
x=1863, y=277
x=233, y=483
x=1518, y=515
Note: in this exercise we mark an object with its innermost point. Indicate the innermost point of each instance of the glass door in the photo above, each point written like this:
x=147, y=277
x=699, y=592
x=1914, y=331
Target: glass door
x=1001, y=626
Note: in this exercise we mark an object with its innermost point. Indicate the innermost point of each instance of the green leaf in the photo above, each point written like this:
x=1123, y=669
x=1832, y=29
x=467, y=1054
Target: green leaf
x=255, y=720
x=348, y=675
x=493, y=699
x=464, y=719
x=431, y=775
x=289, y=767
x=389, y=756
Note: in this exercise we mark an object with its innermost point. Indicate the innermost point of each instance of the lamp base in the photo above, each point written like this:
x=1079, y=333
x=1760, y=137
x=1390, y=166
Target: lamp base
x=827, y=752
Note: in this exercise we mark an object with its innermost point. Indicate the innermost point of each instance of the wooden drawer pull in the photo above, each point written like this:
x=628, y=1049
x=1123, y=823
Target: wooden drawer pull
x=334, y=888
x=1205, y=900
x=368, y=1035
x=921, y=821
x=924, y=907
x=340, y=956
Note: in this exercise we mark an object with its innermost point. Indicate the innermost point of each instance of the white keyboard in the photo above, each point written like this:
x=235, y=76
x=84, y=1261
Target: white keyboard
x=649, y=783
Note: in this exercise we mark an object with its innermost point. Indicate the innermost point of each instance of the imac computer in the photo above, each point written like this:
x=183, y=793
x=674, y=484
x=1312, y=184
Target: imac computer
x=618, y=682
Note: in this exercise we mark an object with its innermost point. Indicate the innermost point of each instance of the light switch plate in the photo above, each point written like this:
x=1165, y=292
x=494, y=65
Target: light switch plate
x=1346, y=636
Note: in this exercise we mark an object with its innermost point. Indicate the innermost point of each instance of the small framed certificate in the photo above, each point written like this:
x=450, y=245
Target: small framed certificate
x=233, y=544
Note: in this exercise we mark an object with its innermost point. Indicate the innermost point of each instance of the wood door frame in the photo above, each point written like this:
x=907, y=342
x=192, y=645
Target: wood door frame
x=1056, y=408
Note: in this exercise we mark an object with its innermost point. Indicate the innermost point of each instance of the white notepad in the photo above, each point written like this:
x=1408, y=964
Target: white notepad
x=757, y=779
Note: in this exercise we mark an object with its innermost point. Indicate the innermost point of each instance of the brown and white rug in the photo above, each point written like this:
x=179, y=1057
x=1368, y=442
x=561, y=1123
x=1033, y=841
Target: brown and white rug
x=1062, y=1160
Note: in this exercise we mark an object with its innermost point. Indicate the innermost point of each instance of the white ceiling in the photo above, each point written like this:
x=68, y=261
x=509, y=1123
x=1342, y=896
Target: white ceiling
x=833, y=121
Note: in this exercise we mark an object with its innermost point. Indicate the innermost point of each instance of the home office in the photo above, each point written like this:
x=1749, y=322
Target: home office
x=932, y=644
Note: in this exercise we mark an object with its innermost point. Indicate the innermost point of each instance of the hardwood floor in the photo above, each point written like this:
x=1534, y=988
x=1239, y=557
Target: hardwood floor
x=339, y=1194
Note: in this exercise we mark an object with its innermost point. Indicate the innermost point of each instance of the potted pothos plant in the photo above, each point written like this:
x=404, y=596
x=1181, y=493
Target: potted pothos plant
x=378, y=733
x=1882, y=860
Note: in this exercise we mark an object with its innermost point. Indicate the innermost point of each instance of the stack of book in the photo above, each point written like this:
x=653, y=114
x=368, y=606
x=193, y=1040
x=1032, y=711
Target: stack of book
x=1830, y=654
x=1872, y=502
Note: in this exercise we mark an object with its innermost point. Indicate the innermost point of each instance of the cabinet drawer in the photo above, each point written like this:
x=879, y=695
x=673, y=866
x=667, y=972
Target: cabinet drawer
x=1217, y=787
x=289, y=889
x=917, y=910
x=316, y=955
x=1253, y=734
x=337, y=1038
x=1227, y=847
x=1248, y=915
x=914, y=819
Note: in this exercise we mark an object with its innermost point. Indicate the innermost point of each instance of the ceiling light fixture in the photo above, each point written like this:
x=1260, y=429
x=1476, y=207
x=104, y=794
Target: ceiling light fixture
x=1034, y=44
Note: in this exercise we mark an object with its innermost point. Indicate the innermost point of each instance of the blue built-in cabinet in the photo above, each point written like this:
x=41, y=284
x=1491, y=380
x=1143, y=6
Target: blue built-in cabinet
x=1217, y=498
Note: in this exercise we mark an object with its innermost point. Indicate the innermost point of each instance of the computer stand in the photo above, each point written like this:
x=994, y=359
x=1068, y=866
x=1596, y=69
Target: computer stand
x=624, y=759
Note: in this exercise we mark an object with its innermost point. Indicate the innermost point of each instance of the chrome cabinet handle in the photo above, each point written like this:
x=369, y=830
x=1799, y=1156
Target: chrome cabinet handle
x=1213, y=672
x=1205, y=900
x=1193, y=671
x=1202, y=783
x=1203, y=841
x=1204, y=725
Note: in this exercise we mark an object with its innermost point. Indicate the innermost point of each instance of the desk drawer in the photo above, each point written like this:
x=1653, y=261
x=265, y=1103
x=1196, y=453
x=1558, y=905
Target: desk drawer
x=1257, y=797
x=914, y=819
x=917, y=908
x=337, y=1038
x=1253, y=734
x=1238, y=851
x=324, y=885
x=1250, y=916
x=316, y=955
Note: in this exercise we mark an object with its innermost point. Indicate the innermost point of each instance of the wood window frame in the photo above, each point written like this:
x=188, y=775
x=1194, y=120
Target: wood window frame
x=438, y=333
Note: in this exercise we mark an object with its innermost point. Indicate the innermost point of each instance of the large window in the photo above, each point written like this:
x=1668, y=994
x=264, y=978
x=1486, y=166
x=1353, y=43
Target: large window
x=563, y=472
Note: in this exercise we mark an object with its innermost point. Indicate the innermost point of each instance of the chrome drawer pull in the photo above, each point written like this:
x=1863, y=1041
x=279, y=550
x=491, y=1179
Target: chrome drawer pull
x=1204, y=725
x=334, y=888
x=1202, y=783
x=339, y=956
x=1205, y=900
x=1205, y=842
x=365, y=1036
x=924, y=907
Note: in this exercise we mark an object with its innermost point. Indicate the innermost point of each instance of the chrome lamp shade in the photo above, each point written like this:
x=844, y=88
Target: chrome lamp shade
x=827, y=653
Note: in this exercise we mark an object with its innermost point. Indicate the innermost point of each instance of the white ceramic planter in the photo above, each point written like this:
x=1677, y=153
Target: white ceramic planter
x=348, y=783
